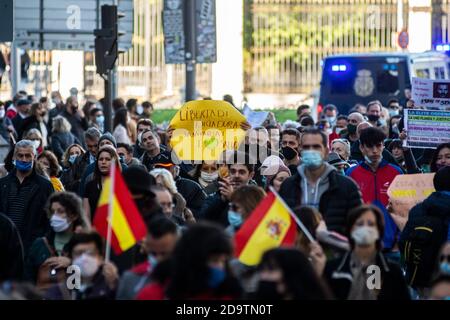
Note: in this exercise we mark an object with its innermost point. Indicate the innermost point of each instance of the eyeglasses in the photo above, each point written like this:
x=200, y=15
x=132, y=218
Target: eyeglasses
x=443, y=258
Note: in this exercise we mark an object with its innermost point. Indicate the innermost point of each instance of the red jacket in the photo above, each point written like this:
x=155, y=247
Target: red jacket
x=374, y=186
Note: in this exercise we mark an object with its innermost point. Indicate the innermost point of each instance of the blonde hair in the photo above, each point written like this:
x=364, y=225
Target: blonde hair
x=167, y=179
x=60, y=124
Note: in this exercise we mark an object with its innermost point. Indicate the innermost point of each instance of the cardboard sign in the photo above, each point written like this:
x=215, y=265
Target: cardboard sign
x=427, y=128
x=204, y=129
x=407, y=190
x=431, y=94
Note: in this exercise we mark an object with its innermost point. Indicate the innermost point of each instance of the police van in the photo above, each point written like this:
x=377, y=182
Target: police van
x=360, y=78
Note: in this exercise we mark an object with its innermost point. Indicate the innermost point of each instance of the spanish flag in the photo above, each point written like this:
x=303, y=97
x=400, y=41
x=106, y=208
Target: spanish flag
x=269, y=226
x=117, y=218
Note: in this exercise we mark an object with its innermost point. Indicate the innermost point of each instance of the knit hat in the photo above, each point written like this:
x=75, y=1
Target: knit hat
x=108, y=136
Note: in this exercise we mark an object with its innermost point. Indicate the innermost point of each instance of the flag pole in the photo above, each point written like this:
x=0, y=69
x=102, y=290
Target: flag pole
x=296, y=219
x=110, y=211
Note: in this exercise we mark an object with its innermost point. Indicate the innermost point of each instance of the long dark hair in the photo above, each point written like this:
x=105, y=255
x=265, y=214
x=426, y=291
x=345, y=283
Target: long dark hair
x=433, y=166
x=299, y=277
x=120, y=118
x=114, y=157
x=189, y=263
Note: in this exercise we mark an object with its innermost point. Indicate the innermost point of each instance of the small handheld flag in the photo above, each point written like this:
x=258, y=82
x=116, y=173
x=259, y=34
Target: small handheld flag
x=269, y=226
x=117, y=218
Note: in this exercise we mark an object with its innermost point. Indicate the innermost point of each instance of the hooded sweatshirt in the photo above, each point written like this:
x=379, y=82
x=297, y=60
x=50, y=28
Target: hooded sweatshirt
x=311, y=193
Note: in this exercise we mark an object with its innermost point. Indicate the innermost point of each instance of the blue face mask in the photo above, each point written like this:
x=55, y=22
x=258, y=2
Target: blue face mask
x=73, y=158
x=152, y=260
x=216, y=277
x=312, y=159
x=444, y=267
x=393, y=112
x=100, y=119
x=23, y=166
x=234, y=218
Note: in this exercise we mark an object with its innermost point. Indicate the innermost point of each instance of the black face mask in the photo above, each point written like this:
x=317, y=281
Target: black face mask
x=267, y=290
x=289, y=153
x=351, y=128
x=373, y=118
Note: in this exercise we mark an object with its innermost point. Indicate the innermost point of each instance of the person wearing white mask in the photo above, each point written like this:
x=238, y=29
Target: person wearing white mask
x=47, y=260
x=330, y=114
x=98, y=278
x=364, y=273
x=207, y=175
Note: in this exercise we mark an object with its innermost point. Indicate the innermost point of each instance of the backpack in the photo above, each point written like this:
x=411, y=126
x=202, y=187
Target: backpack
x=420, y=248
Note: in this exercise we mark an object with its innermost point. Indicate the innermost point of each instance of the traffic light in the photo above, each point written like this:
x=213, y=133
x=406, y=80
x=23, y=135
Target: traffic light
x=106, y=40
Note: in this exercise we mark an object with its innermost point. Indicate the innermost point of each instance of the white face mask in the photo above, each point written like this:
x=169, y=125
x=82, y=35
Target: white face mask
x=209, y=177
x=365, y=235
x=59, y=224
x=36, y=143
x=139, y=109
x=2, y=113
x=88, y=265
x=338, y=130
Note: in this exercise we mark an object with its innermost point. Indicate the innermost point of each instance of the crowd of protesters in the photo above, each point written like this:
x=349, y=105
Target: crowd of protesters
x=333, y=173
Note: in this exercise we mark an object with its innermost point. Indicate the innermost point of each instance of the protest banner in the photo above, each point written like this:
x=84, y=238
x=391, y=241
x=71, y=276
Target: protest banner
x=427, y=128
x=407, y=190
x=203, y=129
x=254, y=118
x=431, y=94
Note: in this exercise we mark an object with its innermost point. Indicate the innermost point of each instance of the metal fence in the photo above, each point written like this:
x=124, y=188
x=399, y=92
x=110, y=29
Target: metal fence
x=287, y=39
x=142, y=72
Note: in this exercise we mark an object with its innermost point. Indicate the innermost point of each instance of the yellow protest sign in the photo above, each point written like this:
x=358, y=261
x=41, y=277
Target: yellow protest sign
x=408, y=190
x=203, y=129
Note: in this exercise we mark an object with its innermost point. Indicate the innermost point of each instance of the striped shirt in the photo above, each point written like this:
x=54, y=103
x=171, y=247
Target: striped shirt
x=16, y=204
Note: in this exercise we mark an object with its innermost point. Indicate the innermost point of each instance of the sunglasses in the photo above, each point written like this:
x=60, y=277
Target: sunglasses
x=444, y=258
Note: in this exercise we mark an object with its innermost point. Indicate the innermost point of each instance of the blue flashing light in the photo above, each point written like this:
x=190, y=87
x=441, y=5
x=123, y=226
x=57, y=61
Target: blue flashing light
x=443, y=47
x=339, y=68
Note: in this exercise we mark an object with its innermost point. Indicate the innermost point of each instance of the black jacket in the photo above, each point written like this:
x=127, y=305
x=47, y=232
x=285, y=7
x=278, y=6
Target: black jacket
x=11, y=251
x=342, y=195
x=37, y=224
x=437, y=205
x=192, y=192
x=393, y=286
x=61, y=141
x=215, y=209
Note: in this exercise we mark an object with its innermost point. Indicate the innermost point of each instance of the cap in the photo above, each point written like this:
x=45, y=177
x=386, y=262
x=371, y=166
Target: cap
x=23, y=102
x=334, y=159
x=271, y=165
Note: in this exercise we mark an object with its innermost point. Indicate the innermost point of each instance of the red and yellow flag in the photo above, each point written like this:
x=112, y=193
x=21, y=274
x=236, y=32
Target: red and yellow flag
x=127, y=225
x=269, y=226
